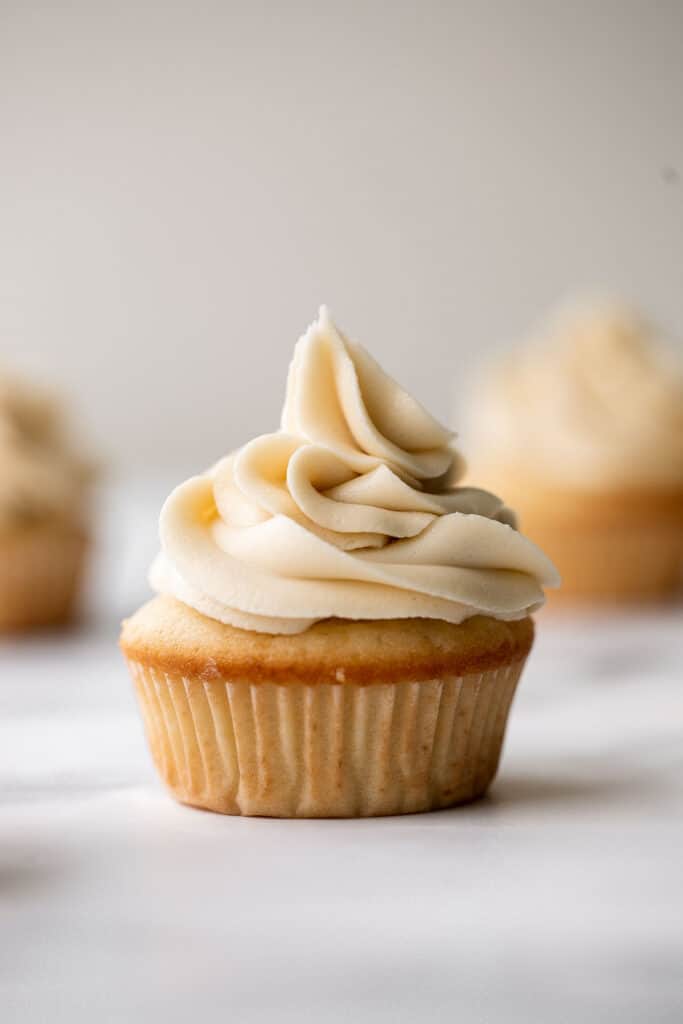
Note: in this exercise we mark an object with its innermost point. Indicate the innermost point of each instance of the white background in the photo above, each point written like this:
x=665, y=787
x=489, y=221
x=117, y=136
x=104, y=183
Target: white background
x=183, y=184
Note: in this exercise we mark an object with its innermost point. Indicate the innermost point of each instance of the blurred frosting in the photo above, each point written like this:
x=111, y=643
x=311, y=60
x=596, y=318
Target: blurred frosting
x=349, y=510
x=41, y=476
x=596, y=400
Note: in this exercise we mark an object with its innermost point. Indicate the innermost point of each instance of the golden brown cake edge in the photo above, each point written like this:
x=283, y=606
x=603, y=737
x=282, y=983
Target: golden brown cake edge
x=169, y=635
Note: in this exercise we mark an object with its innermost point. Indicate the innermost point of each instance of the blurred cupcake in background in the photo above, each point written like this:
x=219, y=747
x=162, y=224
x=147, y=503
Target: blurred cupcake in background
x=582, y=430
x=44, y=485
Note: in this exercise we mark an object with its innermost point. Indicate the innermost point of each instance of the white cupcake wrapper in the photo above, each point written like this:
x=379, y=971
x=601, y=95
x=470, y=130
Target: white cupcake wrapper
x=627, y=563
x=39, y=575
x=325, y=750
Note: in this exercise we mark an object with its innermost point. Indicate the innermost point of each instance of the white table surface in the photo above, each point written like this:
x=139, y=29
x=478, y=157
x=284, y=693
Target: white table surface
x=558, y=898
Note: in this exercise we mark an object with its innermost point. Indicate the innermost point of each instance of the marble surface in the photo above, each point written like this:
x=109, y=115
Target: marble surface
x=558, y=898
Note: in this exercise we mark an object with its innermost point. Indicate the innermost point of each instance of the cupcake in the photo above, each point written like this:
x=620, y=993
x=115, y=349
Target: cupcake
x=43, y=494
x=582, y=430
x=338, y=629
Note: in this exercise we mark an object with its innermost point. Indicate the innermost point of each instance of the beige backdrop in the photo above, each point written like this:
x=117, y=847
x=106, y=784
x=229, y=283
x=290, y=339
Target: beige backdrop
x=182, y=184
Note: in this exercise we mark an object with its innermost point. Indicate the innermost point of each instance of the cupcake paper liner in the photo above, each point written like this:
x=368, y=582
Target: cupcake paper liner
x=615, y=565
x=327, y=749
x=40, y=571
x=621, y=546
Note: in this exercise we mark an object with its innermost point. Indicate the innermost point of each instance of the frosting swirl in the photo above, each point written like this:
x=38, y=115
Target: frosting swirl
x=40, y=474
x=349, y=510
x=596, y=401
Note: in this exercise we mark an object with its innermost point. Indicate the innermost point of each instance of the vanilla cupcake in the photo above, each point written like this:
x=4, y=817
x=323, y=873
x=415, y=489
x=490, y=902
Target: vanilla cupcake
x=43, y=497
x=339, y=629
x=583, y=431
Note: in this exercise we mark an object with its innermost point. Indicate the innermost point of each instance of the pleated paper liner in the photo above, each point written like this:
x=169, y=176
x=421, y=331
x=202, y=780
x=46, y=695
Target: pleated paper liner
x=325, y=750
x=40, y=573
x=615, y=565
x=624, y=546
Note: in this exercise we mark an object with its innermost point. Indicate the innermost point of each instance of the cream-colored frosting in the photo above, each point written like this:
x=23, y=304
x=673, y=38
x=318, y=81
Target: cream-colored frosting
x=595, y=400
x=41, y=476
x=350, y=510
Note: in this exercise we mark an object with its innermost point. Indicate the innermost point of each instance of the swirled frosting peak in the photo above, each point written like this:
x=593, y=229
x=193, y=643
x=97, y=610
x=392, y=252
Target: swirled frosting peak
x=350, y=510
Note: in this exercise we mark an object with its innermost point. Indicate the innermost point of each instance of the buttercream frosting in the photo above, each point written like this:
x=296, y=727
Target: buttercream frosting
x=350, y=510
x=41, y=476
x=594, y=400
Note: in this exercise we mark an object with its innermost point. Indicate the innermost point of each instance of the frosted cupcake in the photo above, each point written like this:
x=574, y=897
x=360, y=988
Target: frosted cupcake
x=583, y=432
x=43, y=499
x=339, y=629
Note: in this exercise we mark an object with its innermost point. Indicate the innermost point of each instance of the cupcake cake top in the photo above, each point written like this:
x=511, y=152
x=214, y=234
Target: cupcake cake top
x=41, y=475
x=350, y=510
x=595, y=400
